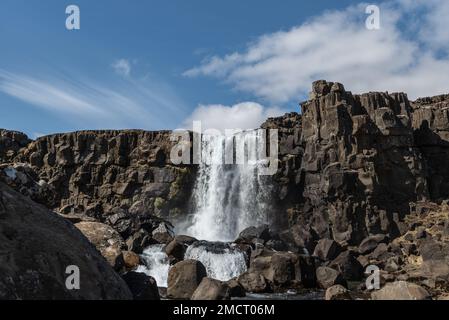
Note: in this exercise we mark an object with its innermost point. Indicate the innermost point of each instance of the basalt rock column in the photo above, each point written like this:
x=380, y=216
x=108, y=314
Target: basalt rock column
x=360, y=166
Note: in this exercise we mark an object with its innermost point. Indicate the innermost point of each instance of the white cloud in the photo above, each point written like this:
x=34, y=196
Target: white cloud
x=246, y=115
x=409, y=53
x=127, y=104
x=122, y=67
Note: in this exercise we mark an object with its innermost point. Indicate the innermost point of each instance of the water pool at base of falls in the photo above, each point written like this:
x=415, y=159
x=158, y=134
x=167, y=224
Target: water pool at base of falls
x=222, y=261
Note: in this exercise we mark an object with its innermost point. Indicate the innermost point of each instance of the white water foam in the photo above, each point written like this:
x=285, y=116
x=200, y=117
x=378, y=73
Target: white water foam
x=222, y=261
x=156, y=264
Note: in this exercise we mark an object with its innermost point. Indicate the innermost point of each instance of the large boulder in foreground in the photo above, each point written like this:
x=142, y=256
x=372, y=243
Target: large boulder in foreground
x=401, y=290
x=183, y=279
x=37, y=246
x=106, y=240
x=212, y=289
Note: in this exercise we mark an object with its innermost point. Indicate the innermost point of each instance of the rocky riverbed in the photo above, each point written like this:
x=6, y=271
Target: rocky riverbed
x=362, y=182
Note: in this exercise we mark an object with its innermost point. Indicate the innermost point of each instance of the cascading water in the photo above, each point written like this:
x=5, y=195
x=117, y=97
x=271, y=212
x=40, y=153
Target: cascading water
x=222, y=261
x=230, y=197
x=156, y=264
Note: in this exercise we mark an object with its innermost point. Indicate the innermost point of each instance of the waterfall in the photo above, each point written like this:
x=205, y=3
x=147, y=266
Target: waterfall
x=231, y=193
x=222, y=261
x=230, y=197
x=156, y=264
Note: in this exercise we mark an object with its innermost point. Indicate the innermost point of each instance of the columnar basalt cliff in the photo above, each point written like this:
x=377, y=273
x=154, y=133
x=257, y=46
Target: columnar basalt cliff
x=122, y=178
x=359, y=178
x=361, y=166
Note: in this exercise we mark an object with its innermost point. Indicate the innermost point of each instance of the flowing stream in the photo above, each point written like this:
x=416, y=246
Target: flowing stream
x=156, y=264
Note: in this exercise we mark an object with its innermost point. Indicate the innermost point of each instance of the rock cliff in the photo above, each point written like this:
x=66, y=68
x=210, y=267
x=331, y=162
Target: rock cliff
x=122, y=178
x=357, y=173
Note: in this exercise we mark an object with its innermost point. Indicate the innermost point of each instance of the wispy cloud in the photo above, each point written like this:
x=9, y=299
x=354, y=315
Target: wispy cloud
x=128, y=103
x=409, y=53
x=122, y=67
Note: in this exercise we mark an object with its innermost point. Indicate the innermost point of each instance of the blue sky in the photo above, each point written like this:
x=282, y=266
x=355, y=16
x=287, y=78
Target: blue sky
x=161, y=64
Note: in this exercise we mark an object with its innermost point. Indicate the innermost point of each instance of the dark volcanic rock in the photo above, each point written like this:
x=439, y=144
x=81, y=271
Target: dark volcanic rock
x=211, y=289
x=131, y=260
x=37, y=246
x=183, y=279
x=253, y=282
x=348, y=265
x=175, y=251
x=235, y=288
x=360, y=167
x=337, y=292
x=261, y=232
x=185, y=240
x=352, y=171
x=139, y=241
x=327, y=249
x=10, y=144
x=401, y=290
x=122, y=178
x=328, y=277
x=282, y=270
x=106, y=240
x=370, y=243
x=142, y=286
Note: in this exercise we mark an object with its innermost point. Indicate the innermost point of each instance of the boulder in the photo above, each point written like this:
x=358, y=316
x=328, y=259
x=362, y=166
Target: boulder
x=328, y=277
x=327, y=249
x=370, y=243
x=235, y=288
x=183, y=279
x=142, y=287
x=337, y=292
x=381, y=252
x=106, y=240
x=253, y=282
x=139, y=241
x=163, y=234
x=175, y=251
x=277, y=245
x=401, y=290
x=278, y=269
x=261, y=232
x=430, y=249
x=185, y=240
x=435, y=269
x=130, y=259
x=211, y=289
x=42, y=246
x=348, y=265
x=284, y=268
